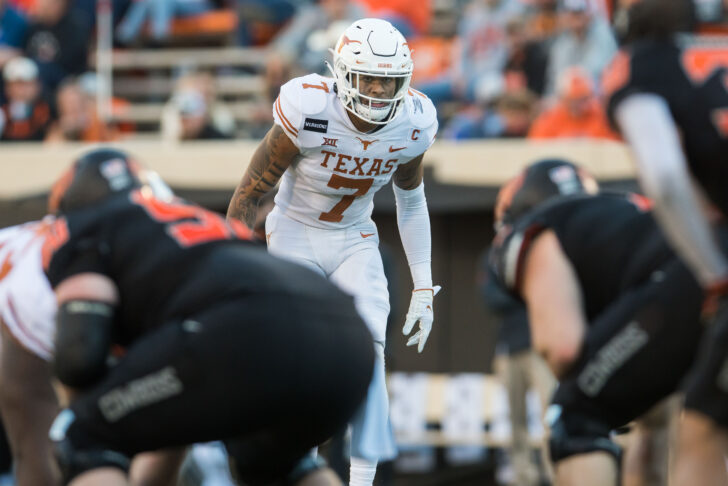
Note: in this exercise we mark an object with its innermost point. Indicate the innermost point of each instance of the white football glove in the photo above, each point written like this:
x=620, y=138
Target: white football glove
x=421, y=310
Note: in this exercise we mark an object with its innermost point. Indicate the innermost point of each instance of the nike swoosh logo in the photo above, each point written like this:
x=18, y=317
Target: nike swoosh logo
x=392, y=149
x=360, y=62
x=366, y=235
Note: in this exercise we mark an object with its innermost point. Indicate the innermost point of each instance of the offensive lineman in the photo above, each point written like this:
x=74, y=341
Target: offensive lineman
x=27, y=400
x=612, y=310
x=335, y=142
x=206, y=349
x=669, y=98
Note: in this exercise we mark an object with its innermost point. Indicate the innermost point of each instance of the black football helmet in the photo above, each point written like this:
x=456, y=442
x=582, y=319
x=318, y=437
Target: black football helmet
x=98, y=174
x=537, y=183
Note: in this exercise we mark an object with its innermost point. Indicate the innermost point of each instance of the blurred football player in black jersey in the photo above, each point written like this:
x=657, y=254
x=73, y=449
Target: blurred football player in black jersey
x=612, y=310
x=669, y=98
x=215, y=338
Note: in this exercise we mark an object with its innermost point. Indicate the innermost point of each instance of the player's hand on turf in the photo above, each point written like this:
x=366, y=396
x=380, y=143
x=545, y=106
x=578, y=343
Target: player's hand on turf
x=420, y=310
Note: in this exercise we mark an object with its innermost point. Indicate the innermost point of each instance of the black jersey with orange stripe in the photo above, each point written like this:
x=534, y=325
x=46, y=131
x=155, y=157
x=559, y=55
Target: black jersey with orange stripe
x=170, y=259
x=611, y=240
x=691, y=74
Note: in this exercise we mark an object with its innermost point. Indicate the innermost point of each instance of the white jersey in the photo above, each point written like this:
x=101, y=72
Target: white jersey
x=27, y=302
x=331, y=184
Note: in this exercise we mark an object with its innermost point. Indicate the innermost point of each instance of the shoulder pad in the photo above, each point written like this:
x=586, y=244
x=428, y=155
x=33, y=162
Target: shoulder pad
x=421, y=110
x=314, y=92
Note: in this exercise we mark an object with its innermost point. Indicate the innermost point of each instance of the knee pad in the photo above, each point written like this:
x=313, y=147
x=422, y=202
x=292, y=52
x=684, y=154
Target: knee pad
x=573, y=434
x=78, y=455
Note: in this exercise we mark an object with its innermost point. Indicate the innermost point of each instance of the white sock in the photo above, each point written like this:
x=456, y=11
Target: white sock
x=361, y=472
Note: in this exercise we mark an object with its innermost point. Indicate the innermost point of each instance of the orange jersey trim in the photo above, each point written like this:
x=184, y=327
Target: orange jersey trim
x=286, y=123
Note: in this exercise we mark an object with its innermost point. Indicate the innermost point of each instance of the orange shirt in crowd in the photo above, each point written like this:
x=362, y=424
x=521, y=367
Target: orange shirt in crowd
x=418, y=13
x=559, y=122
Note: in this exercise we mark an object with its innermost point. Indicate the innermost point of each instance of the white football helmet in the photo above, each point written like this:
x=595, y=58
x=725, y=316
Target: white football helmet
x=371, y=47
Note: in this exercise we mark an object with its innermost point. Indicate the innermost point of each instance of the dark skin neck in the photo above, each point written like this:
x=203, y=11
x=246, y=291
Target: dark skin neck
x=360, y=124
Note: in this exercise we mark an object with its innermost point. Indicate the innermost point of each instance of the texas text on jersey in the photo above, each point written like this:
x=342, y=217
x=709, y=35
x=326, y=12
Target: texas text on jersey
x=336, y=158
x=621, y=250
x=691, y=75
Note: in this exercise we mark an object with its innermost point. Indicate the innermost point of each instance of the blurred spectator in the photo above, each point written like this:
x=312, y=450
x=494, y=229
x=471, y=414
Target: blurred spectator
x=577, y=113
x=410, y=18
x=217, y=114
x=58, y=39
x=527, y=58
x=302, y=46
x=25, y=116
x=586, y=41
x=542, y=19
x=194, y=117
x=13, y=26
x=480, y=55
x=159, y=13
x=90, y=83
x=509, y=116
x=260, y=20
x=77, y=119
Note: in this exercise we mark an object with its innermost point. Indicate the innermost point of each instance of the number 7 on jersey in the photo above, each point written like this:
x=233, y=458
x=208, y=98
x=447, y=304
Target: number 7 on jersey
x=338, y=182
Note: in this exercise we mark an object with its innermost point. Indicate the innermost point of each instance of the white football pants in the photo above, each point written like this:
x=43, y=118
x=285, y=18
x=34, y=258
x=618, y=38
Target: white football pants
x=350, y=258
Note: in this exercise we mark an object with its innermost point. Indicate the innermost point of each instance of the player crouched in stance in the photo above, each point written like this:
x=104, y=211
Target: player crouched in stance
x=221, y=340
x=612, y=310
x=335, y=142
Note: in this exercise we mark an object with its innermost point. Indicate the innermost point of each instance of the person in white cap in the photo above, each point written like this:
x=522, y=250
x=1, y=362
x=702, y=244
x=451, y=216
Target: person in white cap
x=25, y=116
x=586, y=41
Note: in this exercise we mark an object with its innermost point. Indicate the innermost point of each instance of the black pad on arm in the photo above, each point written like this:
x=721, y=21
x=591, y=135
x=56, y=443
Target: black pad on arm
x=83, y=341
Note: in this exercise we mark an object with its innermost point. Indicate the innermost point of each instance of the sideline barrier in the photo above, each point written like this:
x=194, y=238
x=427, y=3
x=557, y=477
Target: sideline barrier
x=29, y=169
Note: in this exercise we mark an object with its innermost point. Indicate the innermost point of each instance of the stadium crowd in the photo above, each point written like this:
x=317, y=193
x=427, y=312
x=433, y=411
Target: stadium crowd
x=494, y=68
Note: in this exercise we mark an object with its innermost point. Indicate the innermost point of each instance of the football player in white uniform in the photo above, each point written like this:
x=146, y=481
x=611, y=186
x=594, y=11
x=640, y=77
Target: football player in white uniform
x=335, y=142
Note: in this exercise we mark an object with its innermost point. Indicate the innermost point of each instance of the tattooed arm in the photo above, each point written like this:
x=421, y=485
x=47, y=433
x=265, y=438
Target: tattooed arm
x=270, y=160
x=409, y=175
